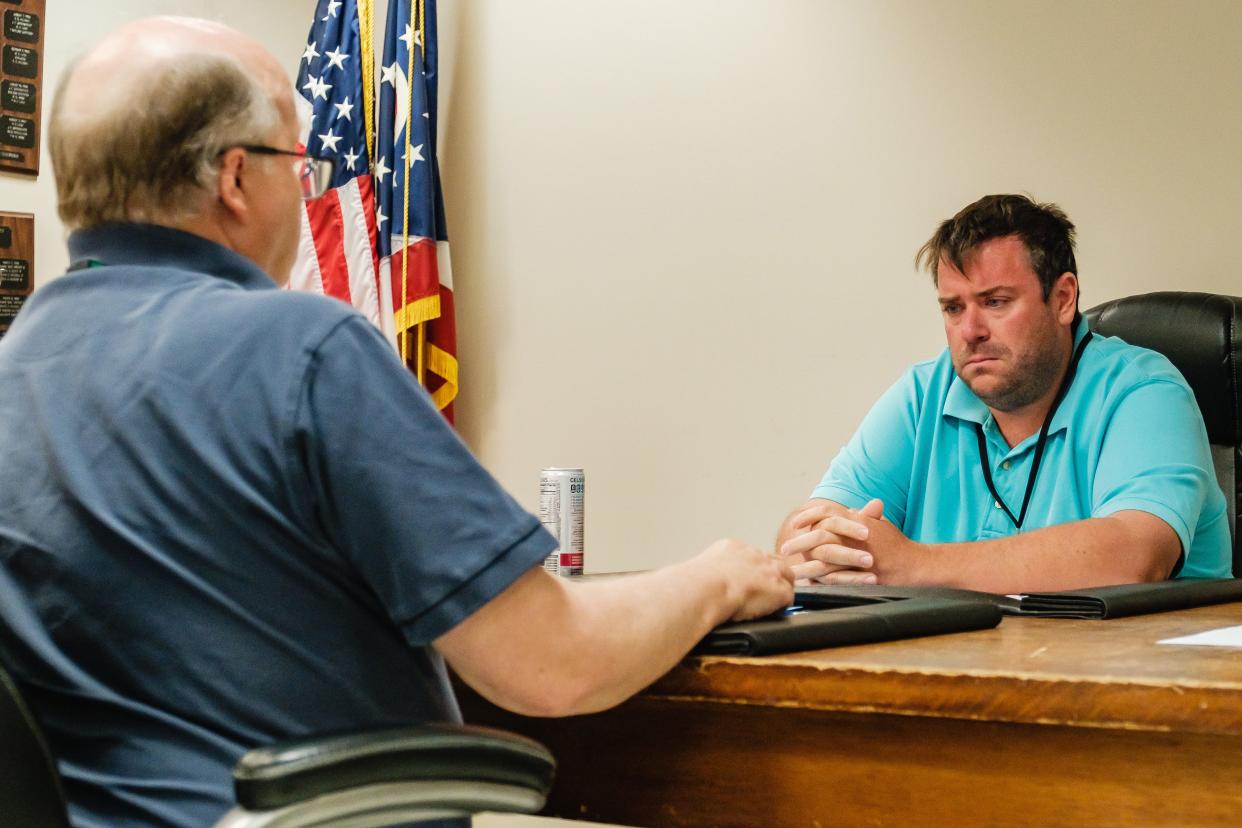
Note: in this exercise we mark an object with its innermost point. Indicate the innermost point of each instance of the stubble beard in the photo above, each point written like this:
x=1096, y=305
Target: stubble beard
x=1032, y=375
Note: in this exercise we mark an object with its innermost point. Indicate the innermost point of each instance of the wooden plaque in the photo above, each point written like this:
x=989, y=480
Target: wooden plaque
x=16, y=264
x=21, y=84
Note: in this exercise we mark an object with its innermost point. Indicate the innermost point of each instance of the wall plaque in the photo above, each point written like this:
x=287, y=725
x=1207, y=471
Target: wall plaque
x=21, y=84
x=20, y=25
x=16, y=264
x=17, y=96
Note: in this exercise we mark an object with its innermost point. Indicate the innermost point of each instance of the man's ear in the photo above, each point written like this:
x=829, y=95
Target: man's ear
x=1064, y=297
x=229, y=189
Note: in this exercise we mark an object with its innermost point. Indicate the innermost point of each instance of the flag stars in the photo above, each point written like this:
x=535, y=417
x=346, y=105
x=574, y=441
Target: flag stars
x=317, y=87
x=310, y=53
x=351, y=159
x=388, y=74
x=333, y=5
x=380, y=218
x=411, y=38
x=381, y=170
x=329, y=140
x=344, y=109
x=416, y=155
x=336, y=58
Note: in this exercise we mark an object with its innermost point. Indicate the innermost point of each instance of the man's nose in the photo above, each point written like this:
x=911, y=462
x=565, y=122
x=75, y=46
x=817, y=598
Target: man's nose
x=973, y=325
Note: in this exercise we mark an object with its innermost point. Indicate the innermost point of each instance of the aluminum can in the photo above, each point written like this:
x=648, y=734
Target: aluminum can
x=562, y=493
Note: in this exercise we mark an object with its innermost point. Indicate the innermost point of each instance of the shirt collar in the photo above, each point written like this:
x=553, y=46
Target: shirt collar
x=962, y=403
x=153, y=245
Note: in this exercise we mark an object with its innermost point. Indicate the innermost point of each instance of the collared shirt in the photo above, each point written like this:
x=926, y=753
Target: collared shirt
x=228, y=515
x=1127, y=435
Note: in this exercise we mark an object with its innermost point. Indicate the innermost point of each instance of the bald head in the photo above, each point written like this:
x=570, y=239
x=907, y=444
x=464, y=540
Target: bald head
x=126, y=60
x=139, y=121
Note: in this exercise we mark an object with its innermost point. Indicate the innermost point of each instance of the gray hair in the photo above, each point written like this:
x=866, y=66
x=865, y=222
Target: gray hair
x=150, y=154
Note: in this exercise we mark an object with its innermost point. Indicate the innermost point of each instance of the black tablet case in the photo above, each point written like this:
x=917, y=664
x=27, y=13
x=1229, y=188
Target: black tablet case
x=1126, y=599
x=1093, y=603
x=837, y=616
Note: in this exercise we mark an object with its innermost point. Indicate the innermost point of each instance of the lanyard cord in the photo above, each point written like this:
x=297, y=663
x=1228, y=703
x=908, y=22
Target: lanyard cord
x=1039, y=444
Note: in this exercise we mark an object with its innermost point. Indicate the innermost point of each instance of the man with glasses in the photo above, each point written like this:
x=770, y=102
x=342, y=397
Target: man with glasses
x=228, y=514
x=1031, y=455
x=314, y=174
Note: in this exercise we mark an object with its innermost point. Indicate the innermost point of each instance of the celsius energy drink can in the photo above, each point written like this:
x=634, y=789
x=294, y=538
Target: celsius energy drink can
x=561, y=495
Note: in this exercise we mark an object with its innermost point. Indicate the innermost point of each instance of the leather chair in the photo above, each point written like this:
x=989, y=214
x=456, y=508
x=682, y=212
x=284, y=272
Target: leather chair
x=1201, y=334
x=361, y=780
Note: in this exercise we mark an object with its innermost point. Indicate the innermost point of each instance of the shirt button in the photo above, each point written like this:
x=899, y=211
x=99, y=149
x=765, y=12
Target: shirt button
x=997, y=504
x=1005, y=465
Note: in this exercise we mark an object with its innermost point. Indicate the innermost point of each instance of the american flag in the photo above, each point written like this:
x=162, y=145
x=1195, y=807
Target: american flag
x=413, y=245
x=338, y=254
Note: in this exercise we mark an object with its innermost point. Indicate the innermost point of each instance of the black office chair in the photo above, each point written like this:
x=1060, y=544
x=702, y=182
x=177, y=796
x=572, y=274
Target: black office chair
x=361, y=780
x=1200, y=333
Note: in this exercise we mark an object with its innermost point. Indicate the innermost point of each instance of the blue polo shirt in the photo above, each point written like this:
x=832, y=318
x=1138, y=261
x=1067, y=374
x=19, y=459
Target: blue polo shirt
x=228, y=516
x=1128, y=435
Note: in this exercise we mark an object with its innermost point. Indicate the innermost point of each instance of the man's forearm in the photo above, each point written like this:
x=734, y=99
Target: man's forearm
x=636, y=628
x=547, y=647
x=1129, y=547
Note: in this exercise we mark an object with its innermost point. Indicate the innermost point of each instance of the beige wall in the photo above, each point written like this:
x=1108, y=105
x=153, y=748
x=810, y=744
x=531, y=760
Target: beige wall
x=683, y=231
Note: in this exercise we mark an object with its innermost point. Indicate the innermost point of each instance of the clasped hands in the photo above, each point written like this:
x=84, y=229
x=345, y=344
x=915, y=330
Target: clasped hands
x=831, y=544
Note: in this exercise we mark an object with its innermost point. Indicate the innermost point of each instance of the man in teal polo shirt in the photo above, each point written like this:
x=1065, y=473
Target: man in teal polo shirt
x=1031, y=454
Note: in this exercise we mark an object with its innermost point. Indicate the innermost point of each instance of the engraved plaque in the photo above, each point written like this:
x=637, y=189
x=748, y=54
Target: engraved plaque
x=16, y=264
x=16, y=132
x=9, y=306
x=21, y=61
x=20, y=25
x=22, y=29
x=17, y=96
x=14, y=274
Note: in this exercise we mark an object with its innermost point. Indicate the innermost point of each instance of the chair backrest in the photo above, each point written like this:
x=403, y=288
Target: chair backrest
x=1201, y=334
x=30, y=791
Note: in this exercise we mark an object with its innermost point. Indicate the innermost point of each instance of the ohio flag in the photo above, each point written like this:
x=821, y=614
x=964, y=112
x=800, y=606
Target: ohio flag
x=413, y=244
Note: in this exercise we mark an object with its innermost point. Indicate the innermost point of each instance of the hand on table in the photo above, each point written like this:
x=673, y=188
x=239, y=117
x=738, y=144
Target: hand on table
x=759, y=582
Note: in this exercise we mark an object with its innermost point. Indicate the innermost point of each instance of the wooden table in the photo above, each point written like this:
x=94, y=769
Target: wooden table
x=1037, y=722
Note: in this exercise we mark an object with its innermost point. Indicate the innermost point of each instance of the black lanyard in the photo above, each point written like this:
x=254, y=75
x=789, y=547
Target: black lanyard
x=1039, y=444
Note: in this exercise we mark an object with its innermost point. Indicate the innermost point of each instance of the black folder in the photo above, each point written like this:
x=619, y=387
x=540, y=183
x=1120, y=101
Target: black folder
x=1125, y=599
x=824, y=617
x=1092, y=603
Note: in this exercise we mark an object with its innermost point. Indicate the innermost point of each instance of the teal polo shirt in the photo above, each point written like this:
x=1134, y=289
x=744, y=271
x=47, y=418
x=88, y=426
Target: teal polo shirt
x=1128, y=435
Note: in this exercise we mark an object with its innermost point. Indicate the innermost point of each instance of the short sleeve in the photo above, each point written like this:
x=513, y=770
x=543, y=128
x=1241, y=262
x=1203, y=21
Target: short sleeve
x=878, y=459
x=1155, y=458
x=396, y=491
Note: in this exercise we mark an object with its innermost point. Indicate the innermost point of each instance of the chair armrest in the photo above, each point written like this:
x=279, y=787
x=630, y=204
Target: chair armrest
x=428, y=771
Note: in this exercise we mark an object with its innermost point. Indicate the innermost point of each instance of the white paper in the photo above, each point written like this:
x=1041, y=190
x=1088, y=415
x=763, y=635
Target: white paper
x=1223, y=637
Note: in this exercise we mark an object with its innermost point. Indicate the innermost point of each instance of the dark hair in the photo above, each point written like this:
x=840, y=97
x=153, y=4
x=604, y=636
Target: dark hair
x=1043, y=228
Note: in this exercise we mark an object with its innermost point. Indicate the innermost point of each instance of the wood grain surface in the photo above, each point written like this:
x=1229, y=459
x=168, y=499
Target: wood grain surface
x=1035, y=722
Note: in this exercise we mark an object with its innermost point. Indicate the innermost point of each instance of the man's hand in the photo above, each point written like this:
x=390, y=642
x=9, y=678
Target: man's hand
x=758, y=582
x=826, y=542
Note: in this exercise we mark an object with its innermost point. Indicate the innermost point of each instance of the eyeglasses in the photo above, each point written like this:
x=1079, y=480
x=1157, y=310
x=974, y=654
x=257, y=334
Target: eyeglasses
x=314, y=173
